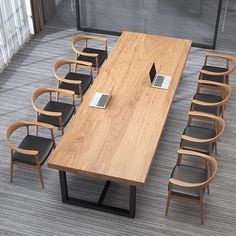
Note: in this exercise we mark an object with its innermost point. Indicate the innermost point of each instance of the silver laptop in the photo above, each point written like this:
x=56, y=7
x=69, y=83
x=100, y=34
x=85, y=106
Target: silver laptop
x=100, y=100
x=159, y=81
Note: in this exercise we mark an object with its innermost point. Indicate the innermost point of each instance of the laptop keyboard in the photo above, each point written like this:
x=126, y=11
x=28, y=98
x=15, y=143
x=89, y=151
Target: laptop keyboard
x=103, y=100
x=159, y=80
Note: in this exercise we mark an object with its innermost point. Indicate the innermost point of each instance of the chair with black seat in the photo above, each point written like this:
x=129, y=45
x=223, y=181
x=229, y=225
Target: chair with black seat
x=33, y=150
x=90, y=54
x=73, y=79
x=217, y=73
x=189, y=181
x=202, y=137
x=55, y=113
x=213, y=99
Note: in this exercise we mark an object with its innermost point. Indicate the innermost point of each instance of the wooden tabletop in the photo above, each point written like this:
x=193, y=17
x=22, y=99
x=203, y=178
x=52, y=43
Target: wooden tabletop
x=119, y=143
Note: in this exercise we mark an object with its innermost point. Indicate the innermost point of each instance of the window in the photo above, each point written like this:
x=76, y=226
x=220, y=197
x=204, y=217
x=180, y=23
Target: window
x=14, y=28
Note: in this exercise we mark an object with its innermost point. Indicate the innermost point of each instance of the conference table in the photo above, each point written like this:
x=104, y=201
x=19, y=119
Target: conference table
x=118, y=144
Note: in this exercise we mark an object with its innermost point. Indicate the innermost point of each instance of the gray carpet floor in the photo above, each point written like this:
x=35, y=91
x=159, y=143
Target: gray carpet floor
x=26, y=209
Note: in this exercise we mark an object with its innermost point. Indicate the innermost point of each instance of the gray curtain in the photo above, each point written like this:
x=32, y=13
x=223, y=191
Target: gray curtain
x=38, y=17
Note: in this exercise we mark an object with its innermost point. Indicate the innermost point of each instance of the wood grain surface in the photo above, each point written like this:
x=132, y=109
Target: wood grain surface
x=119, y=143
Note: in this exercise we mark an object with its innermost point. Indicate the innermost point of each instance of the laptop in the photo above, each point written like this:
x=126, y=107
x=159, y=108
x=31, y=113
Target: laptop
x=100, y=100
x=159, y=81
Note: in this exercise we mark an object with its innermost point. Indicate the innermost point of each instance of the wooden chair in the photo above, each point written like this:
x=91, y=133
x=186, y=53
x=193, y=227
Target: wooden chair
x=89, y=54
x=211, y=103
x=55, y=113
x=190, y=182
x=201, y=138
x=33, y=150
x=216, y=73
x=74, y=80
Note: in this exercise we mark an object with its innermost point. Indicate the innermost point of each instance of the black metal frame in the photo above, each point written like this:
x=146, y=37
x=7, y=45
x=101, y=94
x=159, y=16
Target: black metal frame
x=101, y=31
x=99, y=206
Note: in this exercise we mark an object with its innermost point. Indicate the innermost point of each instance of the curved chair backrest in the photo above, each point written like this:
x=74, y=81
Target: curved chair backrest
x=212, y=164
x=76, y=39
x=225, y=89
x=13, y=127
x=219, y=126
x=40, y=91
x=19, y=124
x=229, y=61
x=77, y=64
x=37, y=93
x=79, y=38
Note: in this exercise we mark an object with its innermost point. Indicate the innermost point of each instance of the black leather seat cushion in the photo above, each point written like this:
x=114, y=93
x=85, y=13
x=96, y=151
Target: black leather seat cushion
x=85, y=79
x=43, y=145
x=102, y=55
x=201, y=133
x=189, y=174
x=206, y=98
x=67, y=111
x=214, y=69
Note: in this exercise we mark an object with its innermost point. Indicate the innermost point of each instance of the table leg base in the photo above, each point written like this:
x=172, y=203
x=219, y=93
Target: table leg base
x=99, y=206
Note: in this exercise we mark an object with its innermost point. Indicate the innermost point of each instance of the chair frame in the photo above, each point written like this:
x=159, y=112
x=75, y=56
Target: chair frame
x=13, y=148
x=86, y=38
x=77, y=64
x=228, y=59
x=201, y=186
x=224, y=89
x=40, y=91
x=219, y=126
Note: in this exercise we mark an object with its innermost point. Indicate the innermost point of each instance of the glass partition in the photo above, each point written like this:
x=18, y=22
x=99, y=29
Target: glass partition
x=191, y=19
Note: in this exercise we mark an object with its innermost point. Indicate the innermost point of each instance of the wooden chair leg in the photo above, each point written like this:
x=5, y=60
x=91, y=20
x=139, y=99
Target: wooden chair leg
x=58, y=95
x=179, y=159
x=208, y=189
x=202, y=208
x=215, y=145
x=168, y=201
x=81, y=98
x=211, y=149
x=40, y=175
x=11, y=169
x=36, y=130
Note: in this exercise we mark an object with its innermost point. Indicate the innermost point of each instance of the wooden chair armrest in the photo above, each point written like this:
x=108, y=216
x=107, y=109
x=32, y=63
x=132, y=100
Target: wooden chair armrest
x=23, y=151
x=84, y=53
x=208, y=104
x=78, y=62
x=194, y=153
x=48, y=113
x=40, y=124
x=206, y=72
x=204, y=115
x=67, y=80
x=213, y=83
x=197, y=140
x=186, y=184
x=63, y=91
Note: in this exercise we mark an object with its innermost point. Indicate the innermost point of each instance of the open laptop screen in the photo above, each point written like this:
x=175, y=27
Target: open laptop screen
x=152, y=72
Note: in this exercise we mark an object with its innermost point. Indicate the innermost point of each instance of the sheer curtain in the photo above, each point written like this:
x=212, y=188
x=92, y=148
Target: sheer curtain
x=14, y=29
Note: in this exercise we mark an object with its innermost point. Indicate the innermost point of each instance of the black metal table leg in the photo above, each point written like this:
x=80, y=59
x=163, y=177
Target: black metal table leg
x=64, y=188
x=104, y=192
x=132, y=201
x=99, y=206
